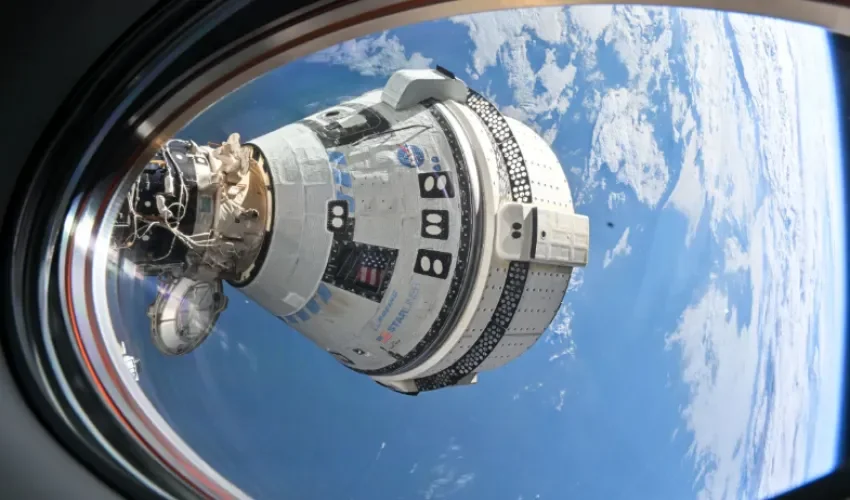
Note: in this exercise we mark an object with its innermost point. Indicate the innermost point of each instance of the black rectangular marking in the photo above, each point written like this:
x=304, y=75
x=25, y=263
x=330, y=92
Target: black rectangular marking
x=433, y=263
x=436, y=185
x=435, y=224
x=533, y=232
x=337, y=216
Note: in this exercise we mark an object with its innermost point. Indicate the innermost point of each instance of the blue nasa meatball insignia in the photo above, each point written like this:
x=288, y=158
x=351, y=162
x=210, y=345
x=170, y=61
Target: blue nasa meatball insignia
x=410, y=156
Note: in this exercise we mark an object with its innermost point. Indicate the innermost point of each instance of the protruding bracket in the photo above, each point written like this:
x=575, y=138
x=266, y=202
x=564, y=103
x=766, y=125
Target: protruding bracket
x=545, y=234
x=409, y=87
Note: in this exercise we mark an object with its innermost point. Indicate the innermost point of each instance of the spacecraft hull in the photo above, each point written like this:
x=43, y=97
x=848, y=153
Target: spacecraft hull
x=414, y=233
x=390, y=204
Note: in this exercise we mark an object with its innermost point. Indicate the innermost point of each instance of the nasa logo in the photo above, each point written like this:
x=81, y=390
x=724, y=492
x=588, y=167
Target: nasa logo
x=410, y=156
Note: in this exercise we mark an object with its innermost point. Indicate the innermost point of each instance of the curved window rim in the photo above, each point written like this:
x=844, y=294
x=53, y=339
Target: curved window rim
x=159, y=99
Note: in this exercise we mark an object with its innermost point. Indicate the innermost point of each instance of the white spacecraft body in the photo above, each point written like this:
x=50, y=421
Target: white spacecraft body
x=414, y=233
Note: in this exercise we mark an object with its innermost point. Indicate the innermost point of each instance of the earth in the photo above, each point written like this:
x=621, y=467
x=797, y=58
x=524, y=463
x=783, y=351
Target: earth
x=698, y=355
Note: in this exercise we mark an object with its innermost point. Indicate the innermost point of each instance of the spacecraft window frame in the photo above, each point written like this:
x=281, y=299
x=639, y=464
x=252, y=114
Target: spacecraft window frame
x=171, y=109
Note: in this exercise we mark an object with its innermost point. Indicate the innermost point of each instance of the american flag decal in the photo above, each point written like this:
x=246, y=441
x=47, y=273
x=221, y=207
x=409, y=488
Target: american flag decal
x=371, y=269
x=369, y=275
x=384, y=337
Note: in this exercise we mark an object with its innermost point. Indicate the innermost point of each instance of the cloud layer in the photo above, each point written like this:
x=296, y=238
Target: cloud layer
x=621, y=248
x=371, y=56
x=751, y=386
x=749, y=167
x=446, y=478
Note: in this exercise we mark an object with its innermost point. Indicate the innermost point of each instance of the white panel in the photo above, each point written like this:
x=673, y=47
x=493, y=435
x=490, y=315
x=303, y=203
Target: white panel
x=294, y=194
x=373, y=192
x=286, y=234
x=378, y=229
x=459, y=350
x=316, y=199
x=369, y=98
x=312, y=256
x=492, y=292
x=508, y=349
x=330, y=328
x=300, y=243
x=412, y=86
x=514, y=237
x=562, y=237
x=541, y=299
x=484, y=311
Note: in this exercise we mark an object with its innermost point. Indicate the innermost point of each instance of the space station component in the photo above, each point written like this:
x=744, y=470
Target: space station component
x=414, y=233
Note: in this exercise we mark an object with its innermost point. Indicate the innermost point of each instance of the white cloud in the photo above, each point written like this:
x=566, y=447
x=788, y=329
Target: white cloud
x=716, y=360
x=624, y=143
x=551, y=134
x=447, y=479
x=735, y=258
x=741, y=448
x=504, y=37
x=569, y=351
x=621, y=248
x=560, y=333
x=490, y=31
x=688, y=195
x=590, y=20
x=725, y=137
x=223, y=339
x=585, y=25
x=464, y=480
x=559, y=330
x=642, y=37
x=372, y=56
x=560, y=405
x=576, y=279
x=623, y=139
x=616, y=198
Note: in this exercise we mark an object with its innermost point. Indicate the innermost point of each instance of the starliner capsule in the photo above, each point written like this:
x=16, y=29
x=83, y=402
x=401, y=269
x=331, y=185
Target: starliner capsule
x=414, y=233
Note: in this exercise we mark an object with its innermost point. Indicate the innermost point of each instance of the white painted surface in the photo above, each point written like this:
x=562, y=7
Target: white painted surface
x=388, y=212
x=408, y=87
x=300, y=243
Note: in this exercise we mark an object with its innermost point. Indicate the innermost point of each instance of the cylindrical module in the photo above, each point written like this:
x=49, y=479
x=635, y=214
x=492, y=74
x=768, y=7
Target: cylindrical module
x=414, y=233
